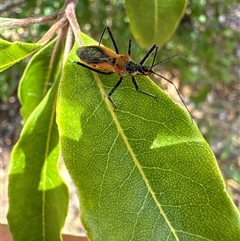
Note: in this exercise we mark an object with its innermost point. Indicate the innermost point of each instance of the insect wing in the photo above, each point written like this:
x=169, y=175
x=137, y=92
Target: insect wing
x=94, y=54
x=97, y=57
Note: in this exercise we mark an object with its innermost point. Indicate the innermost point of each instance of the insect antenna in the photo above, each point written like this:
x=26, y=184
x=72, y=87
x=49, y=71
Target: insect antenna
x=163, y=61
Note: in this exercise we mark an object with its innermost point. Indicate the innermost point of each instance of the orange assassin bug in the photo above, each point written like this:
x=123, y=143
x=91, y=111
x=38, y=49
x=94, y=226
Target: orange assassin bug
x=104, y=61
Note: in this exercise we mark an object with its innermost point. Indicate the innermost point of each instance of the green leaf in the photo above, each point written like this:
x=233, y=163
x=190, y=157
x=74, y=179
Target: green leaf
x=143, y=171
x=154, y=21
x=41, y=72
x=38, y=198
x=12, y=53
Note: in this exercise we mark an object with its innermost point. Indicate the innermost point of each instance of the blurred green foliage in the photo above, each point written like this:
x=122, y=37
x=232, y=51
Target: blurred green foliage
x=206, y=40
x=22, y=9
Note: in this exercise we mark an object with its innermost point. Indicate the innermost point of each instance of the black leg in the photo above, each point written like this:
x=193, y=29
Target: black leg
x=115, y=87
x=140, y=91
x=129, y=47
x=113, y=90
x=148, y=53
x=154, y=57
x=112, y=38
x=169, y=81
x=100, y=40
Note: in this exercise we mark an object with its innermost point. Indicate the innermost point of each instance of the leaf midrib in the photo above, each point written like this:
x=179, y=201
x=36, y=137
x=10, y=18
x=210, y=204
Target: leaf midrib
x=131, y=152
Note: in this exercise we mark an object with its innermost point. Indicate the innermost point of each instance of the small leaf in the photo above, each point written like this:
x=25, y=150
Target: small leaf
x=38, y=198
x=154, y=21
x=12, y=53
x=38, y=77
x=143, y=170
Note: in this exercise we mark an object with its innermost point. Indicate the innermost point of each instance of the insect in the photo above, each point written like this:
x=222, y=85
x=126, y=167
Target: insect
x=104, y=61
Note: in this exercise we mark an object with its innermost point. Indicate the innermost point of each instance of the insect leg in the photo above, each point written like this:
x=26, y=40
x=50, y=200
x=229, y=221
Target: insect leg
x=147, y=54
x=112, y=38
x=100, y=40
x=113, y=90
x=175, y=87
x=154, y=57
x=140, y=91
x=129, y=47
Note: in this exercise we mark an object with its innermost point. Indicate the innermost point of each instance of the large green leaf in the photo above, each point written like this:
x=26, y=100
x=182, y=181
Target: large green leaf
x=38, y=198
x=143, y=171
x=38, y=77
x=12, y=53
x=154, y=21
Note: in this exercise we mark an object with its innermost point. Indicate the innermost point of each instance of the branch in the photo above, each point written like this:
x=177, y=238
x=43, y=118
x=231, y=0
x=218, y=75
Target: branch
x=70, y=14
x=28, y=21
x=39, y=20
x=49, y=34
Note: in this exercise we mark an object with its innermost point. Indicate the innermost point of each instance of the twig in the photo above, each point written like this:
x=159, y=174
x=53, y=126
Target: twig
x=70, y=13
x=49, y=34
x=28, y=21
x=68, y=43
